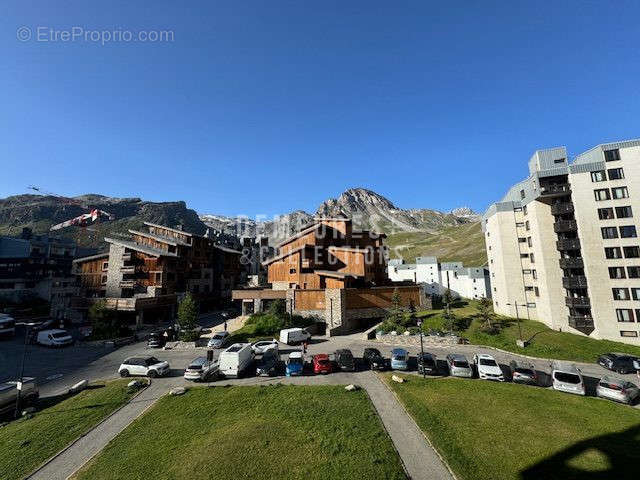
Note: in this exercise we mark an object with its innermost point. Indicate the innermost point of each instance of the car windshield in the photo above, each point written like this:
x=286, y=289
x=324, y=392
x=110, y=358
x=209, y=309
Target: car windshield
x=610, y=386
x=567, y=377
x=427, y=360
x=524, y=371
x=488, y=362
x=323, y=361
x=295, y=361
x=59, y=334
x=152, y=361
x=373, y=353
x=345, y=358
x=195, y=366
x=460, y=364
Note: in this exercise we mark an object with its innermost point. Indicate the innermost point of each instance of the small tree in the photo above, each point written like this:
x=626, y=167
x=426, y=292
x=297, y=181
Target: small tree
x=187, y=313
x=485, y=313
x=104, y=322
x=447, y=297
x=396, y=312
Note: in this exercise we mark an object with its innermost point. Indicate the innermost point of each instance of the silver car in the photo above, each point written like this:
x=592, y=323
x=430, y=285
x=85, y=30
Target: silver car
x=218, y=340
x=201, y=369
x=617, y=389
x=459, y=366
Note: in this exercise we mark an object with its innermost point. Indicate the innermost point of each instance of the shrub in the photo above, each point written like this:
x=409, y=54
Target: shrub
x=187, y=313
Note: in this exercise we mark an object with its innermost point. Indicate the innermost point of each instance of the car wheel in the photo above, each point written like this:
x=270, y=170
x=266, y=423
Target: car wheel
x=622, y=371
x=124, y=373
x=152, y=374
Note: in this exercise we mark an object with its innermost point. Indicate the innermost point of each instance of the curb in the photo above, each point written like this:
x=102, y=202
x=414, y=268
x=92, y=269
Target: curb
x=404, y=409
x=74, y=441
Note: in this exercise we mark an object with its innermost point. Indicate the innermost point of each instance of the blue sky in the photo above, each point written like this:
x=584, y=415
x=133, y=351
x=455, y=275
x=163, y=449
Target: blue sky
x=270, y=106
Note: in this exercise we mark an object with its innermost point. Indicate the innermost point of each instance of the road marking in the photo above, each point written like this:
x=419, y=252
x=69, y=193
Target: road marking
x=53, y=377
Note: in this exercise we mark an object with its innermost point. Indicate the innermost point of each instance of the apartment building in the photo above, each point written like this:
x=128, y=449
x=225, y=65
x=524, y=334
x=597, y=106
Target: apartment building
x=563, y=246
x=37, y=266
x=147, y=274
x=332, y=272
x=436, y=277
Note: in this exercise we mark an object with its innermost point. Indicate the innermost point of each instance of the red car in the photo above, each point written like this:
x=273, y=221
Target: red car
x=321, y=363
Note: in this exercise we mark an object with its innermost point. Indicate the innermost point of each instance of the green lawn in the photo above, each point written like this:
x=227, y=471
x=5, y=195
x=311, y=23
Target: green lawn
x=547, y=344
x=267, y=432
x=500, y=431
x=27, y=443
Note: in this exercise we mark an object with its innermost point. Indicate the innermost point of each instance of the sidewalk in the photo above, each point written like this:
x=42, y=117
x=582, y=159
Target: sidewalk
x=419, y=458
x=78, y=453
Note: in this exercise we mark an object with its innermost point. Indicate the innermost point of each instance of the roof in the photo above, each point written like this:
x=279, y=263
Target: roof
x=149, y=224
x=565, y=367
x=332, y=219
x=284, y=255
x=301, y=233
x=92, y=257
x=331, y=273
x=227, y=249
x=348, y=249
x=484, y=355
x=140, y=248
x=161, y=238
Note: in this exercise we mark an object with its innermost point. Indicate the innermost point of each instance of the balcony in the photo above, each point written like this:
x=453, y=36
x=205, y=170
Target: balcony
x=577, y=302
x=555, y=190
x=127, y=283
x=126, y=257
x=128, y=269
x=571, y=244
x=574, y=282
x=565, y=226
x=571, y=263
x=584, y=323
x=561, y=208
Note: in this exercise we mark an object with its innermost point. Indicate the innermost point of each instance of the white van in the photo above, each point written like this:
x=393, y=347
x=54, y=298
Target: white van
x=234, y=360
x=7, y=325
x=293, y=336
x=567, y=378
x=54, y=338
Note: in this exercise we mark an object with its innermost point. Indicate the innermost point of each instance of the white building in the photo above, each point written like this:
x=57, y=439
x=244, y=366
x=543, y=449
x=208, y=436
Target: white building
x=467, y=282
x=563, y=243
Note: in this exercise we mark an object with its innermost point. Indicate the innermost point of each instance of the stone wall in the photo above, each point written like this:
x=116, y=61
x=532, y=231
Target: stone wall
x=114, y=275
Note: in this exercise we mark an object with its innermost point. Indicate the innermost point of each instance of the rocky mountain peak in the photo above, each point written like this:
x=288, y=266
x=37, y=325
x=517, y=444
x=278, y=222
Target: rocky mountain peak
x=463, y=212
x=355, y=200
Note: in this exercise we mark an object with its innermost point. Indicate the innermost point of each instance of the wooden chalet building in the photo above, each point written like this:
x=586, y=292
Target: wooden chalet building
x=146, y=276
x=332, y=272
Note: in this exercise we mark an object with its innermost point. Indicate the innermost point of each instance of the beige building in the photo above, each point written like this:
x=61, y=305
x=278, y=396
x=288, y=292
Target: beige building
x=563, y=244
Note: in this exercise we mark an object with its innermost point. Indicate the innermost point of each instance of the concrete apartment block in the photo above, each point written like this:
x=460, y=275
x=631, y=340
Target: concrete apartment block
x=563, y=243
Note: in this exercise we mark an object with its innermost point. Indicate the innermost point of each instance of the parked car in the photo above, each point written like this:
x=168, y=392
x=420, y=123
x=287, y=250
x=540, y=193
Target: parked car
x=618, y=362
x=374, y=359
x=567, y=378
x=156, y=340
x=427, y=364
x=617, y=389
x=344, y=360
x=269, y=364
x=523, y=372
x=7, y=325
x=145, y=366
x=236, y=359
x=201, y=369
x=295, y=364
x=9, y=394
x=459, y=366
x=488, y=368
x=399, y=359
x=294, y=336
x=322, y=364
x=218, y=340
x=54, y=338
x=261, y=346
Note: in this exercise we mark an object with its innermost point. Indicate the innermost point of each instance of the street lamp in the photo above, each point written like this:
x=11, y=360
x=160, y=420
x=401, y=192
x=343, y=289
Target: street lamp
x=521, y=343
x=419, y=323
x=20, y=377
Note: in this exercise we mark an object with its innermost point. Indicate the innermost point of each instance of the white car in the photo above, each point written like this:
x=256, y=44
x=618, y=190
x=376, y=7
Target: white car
x=201, y=369
x=488, y=368
x=262, y=346
x=54, y=338
x=218, y=340
x=567, y=378
x=145, y=366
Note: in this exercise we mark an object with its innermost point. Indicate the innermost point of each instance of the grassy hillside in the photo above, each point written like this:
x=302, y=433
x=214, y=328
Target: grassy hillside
x=463, y=243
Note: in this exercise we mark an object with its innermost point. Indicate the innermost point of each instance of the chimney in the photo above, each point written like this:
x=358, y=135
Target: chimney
x=180, y=227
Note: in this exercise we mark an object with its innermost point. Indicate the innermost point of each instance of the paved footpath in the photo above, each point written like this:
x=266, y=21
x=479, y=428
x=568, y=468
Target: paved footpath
x=418, y=456
x=69, y=461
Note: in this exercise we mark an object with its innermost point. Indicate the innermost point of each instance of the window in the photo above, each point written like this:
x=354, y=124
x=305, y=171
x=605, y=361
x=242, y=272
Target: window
x=536, y=291
x=105, y=265
x=528, y=289
x=628, y=333
x=531, y=258
x=521, y=193
x=602, y=194
x=517, y=209
x=612, y=252
x=524, y=255
x=534, y=274
x=526, y=271
x=633, y=272
x=529, y=241
x=522, y=239
x=620, y=192
x=635, y=293
x=598, y=176
x=609, y=232
x=524, y=209
x=631, y=252
x=624, y=314
x=104, y=279
x=616, y=272
x=628, y=231
x=526, y=224
x=615, y=173
x=292, y=270
x=621, y=294
x=531, y=305
x=624, y=212
x=519, y=224
x=559, y=160
x=605, y=213
x=611, y=155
